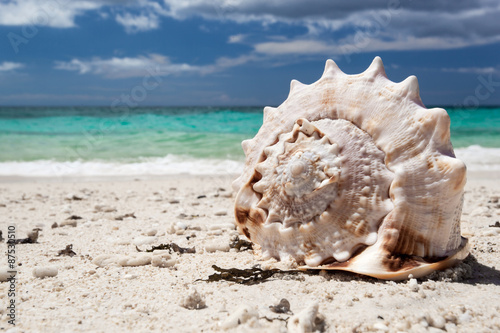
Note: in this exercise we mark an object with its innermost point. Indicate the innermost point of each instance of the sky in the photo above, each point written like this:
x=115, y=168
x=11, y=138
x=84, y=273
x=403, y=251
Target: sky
x=240, y=52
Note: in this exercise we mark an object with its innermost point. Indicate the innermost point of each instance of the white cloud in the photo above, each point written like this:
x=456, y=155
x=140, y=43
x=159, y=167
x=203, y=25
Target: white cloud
x=390, y=25
x=8, y=66
x=225, y=62
x=138, y=23
x=236, y=38
x=295, y=47
x=360, y=43
x=52, y=13
x=473, y=70
x=115, y=68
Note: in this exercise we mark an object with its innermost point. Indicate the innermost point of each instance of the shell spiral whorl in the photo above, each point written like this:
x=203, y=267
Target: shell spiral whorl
x=353, y=173
x=301, y=166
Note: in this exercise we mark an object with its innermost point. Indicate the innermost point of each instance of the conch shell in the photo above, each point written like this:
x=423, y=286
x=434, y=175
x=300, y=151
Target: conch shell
x=353, y=173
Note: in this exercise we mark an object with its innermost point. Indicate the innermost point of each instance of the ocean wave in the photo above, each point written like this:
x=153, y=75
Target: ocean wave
x=168, y=165
x=476, y=158
x=479, y=158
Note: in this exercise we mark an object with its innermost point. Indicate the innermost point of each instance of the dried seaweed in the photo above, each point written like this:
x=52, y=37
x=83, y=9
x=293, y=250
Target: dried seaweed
x=247, y=276
x=277, y=318
x=68, y=251
x=121, y=217
x=496, y=225
x=172, y=247
x=240, y=244
x=187, y=217
x=74, y=197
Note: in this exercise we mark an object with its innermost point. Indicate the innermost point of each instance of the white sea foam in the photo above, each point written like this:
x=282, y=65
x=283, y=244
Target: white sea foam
x=169, y=165
x=476, y=158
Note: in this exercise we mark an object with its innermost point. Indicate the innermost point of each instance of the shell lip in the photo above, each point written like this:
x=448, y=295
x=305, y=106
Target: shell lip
x=410, y=265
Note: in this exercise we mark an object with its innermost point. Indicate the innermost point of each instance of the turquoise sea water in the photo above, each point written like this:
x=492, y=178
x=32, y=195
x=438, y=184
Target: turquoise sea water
x=28, y=134
x=197, y=134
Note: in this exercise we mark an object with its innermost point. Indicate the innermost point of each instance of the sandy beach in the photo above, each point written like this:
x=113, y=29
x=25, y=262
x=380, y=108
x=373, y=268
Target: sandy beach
x=85, y=272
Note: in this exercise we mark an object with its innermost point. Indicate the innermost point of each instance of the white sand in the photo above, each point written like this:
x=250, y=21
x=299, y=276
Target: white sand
x=161, y=295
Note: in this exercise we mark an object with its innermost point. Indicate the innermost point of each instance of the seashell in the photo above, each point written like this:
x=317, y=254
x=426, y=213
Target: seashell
x=353, y=173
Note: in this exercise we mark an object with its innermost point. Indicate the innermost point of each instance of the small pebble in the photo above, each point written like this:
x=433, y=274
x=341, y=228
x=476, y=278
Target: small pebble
x=217, y=246
x=43, y=272
x=464, y=318
x=413, y=284
x=139, y=259
x=214, y=232
x=152, y=232
x=181, y=226
x=104, y=209
x=304, y=320
x=437, y=321
x=4, y=274
x=33, y=235
x=105, y=260
x=282, y=307
x=163, y=260
x=221, y=213
x=381, y=327
x=193, y=301
x=71, y=196
x=66, y=209
x=69, y=223
x=243, y=314
x=450, y=328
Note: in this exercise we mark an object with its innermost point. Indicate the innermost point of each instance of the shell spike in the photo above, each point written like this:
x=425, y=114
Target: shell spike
x=376, y=68
x=267, y=112
x=410, y=88
x=295, y=84
x=331, y=68
x=246, y=146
